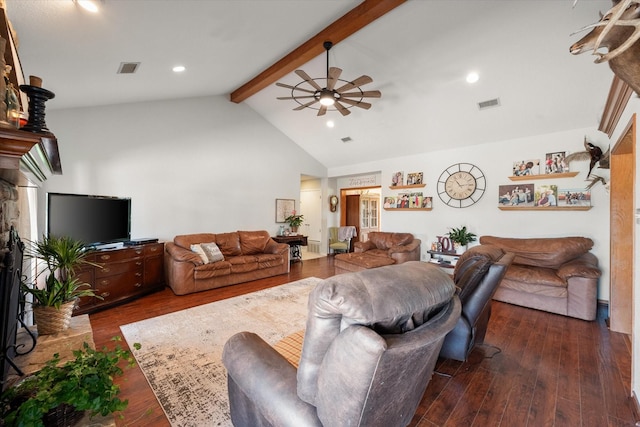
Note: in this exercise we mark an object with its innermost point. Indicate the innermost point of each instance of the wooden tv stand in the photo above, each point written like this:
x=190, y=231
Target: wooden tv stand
x=125, y=274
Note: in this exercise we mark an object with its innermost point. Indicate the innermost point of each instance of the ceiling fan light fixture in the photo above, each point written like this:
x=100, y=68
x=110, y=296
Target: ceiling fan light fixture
x=327, y=99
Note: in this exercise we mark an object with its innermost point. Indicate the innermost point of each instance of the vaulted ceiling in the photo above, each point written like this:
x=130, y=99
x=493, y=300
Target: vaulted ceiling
x=418, y=55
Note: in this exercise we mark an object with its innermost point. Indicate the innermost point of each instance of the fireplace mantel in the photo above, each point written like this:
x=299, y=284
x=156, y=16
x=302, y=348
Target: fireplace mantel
x=27, y=158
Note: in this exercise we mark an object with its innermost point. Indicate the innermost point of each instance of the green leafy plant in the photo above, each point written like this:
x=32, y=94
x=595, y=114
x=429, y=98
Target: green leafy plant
x=63, y=256
x=85, y=383
x=461, y=236
x=294, y=220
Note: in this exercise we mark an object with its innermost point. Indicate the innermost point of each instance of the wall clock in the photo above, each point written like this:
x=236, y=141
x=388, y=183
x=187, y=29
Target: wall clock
x=333, y=203
x=461, y=185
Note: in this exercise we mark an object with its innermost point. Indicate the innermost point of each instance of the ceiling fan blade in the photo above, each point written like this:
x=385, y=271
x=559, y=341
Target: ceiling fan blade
x=343, y=110
x=363, y=94
x=360, y=81
x=294, y=87
x=334, y=74
x=295, y=97
x=308, y=79
x=322, y=110
x=308, y=104
x=360, y=104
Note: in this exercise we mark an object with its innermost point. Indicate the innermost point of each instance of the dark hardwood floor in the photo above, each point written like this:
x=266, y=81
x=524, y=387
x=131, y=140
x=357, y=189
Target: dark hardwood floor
x=536, y=369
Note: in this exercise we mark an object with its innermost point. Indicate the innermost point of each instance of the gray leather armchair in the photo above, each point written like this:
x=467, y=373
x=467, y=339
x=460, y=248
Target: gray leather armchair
x=477, y=275
x=371, y=343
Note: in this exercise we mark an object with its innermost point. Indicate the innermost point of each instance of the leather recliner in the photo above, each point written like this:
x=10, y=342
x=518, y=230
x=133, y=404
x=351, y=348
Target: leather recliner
x=371, y=343
x=477, y=275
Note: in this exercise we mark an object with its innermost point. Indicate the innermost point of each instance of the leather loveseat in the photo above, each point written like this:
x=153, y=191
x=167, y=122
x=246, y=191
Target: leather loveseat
x=558, y=275
x=382, y=249
x=238, y=257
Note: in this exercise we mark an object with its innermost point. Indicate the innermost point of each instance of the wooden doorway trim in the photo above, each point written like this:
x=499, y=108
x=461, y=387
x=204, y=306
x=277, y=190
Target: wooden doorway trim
x=622, y=226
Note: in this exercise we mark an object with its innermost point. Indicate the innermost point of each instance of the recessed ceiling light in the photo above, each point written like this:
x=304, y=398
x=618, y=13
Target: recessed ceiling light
x=89, y=5
x=472, y=77
x=330, y=124
x=178, y=68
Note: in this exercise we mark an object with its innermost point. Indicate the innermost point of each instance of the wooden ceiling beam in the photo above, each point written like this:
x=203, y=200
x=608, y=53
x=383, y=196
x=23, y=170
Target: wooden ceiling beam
x=354, y=20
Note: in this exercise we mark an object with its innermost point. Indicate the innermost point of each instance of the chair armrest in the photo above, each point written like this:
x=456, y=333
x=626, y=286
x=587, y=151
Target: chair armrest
x=584, y=266
x=405, y=248
x=267, y=380
x=363, y=246
x=274, y=247
x=180, y=254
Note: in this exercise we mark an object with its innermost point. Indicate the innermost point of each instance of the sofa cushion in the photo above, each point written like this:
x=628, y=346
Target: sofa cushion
x=385, y=240
x=213, y=269
x=470, y=273
x=243, y=263
x=229, y=244
x=534, y=276
x=198, y=249
x=253, y=242
x=186, y=240
x=541, y=252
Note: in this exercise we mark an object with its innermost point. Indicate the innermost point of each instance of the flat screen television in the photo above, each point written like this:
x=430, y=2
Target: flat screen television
x=94, y=220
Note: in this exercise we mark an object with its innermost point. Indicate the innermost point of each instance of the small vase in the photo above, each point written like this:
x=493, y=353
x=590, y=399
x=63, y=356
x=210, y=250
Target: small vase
x=460, y=248
x=51, y=320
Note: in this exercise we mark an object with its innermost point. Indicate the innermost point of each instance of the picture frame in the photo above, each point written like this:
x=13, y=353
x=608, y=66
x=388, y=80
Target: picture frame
x=427, y=202
x=521, y=195
x=389, y=202
x=526, y=167
x=546, y=196
x=555, y=163
x=568, y=197
x=397, y=179
x=284, y=208
x=414, y=178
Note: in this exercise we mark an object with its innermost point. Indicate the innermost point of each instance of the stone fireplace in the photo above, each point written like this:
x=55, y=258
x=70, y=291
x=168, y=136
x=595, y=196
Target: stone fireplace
x=9, y=211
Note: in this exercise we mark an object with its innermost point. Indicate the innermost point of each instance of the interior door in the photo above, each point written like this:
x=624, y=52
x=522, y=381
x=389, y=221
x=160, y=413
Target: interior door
x=352, y=214
x=310, y=207
x=369, y=216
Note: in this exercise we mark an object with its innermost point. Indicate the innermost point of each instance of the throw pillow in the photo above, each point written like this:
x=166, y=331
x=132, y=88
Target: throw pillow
x=212, y=251
x=198, y=249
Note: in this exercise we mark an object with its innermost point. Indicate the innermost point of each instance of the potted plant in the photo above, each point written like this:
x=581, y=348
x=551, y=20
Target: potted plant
x=84, y=384
x=294, y=221
x=54, y=302
x=461, y=238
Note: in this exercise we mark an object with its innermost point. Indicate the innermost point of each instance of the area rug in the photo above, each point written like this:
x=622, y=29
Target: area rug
x=181, y=353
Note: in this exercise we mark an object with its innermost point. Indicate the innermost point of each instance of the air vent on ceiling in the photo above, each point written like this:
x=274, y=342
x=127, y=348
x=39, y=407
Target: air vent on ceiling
x=346, y=139
x=495, y=102
x=128, y=67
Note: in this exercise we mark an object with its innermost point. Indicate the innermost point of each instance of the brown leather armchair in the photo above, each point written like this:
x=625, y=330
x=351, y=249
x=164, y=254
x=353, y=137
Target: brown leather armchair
x=401, y=247
x=370, y=347
x=556, y=274
x=477, y=275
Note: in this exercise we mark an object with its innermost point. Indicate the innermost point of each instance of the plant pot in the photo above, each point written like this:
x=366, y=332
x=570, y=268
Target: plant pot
x=51, y=320
x=460, y=248
x=294, y=229
x=62, y=416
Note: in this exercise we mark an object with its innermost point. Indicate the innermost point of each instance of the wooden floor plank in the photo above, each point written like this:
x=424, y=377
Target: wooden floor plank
x=507, y=385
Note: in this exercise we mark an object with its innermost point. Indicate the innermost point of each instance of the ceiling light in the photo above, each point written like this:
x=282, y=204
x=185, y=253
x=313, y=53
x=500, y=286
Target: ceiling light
x=472, y=77
x=89, y=5
x=178, y=68
x=330, y=124
x=326, y=98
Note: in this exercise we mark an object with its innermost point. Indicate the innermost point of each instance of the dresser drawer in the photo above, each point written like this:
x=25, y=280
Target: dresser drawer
x=119, y=255
x=153, y=249
x=119, y=285
x=114, y=268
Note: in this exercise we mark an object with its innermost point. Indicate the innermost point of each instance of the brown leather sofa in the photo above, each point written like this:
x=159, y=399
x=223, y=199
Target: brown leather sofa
x=247, y=255
x=382, y=249
x=558, y=275
x=370, y=347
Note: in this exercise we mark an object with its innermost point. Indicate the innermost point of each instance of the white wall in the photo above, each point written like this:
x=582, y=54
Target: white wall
x=484, y=218
x=190, y=165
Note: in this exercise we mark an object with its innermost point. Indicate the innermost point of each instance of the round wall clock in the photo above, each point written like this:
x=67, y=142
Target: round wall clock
x=461, y=185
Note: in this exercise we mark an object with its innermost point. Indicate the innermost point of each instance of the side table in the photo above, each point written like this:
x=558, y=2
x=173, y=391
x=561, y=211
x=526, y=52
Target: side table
x=294, y=243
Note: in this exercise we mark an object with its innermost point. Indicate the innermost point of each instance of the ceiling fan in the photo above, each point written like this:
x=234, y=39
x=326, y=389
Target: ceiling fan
x=329, y=96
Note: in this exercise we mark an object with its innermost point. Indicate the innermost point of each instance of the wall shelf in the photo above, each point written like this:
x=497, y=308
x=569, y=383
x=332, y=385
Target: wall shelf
x=548, y=208
x=544, y=176
x=407, y=209
x=400, y=187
